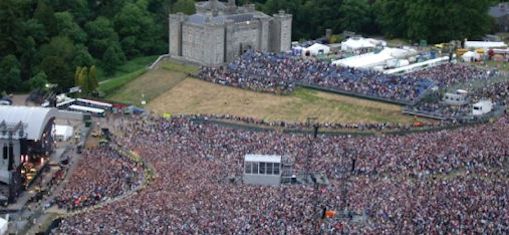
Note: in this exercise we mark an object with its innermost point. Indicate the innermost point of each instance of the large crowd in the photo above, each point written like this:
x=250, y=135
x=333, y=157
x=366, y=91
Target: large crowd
x=495, y=91
x=450, y=181
x=449, y=74
x=307, y=125
x=282, y=73
x=101, y=174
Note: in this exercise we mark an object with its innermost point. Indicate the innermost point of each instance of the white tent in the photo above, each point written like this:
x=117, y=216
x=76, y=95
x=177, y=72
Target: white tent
x=371, y=60
x=3, y=226
x=63, y=132
x=470, y=55
x=353, y=44
x=484, y=44
x=316, y=49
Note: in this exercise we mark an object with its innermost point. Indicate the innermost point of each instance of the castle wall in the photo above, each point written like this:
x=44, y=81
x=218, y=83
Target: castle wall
x=281, y=32
x=214, y=46
x=175, y=34
x=264, y=35
x=246, y=37
x=286, y=34
x=193, y=42
x=210, y=43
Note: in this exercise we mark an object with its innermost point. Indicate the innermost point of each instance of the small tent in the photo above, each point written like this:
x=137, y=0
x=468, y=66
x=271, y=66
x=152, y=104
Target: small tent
x=63, y=132
x=3, y=226
x=316, y=49
x=470, y=56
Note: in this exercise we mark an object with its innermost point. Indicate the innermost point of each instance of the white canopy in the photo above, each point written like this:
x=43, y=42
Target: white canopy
x=262, y=158
x=370, y=60
x=316, y=49
x=3, y=226
x=353, y=44
x=63, y=132
x=469, y=55
x=484, y=44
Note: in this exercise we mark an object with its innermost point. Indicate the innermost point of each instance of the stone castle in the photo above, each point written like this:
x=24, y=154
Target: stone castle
x=219, y=32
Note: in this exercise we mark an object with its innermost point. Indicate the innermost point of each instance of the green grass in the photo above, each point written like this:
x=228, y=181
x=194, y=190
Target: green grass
x=125, y=73
x=175, y=66
x=129, y=67
x=111, y=85
x=129, y=87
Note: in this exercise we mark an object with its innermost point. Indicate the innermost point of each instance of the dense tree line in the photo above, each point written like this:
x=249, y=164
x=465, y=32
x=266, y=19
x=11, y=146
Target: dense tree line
x=47, y=40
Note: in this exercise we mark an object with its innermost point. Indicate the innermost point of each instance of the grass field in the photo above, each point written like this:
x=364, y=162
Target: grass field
x=129, y=67
x=124, y=74
x=148, y=84
x=169, y=90
x=192, y=96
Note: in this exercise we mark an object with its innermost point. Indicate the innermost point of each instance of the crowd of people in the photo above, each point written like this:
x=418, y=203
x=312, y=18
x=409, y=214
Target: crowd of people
x=445, y=75
x=495, y=91
x=331, y=126
x=101, y=174
x=282, y=73
x=450, y=181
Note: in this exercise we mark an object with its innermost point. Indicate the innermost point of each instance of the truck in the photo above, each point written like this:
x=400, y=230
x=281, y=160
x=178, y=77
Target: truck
x=482, y=107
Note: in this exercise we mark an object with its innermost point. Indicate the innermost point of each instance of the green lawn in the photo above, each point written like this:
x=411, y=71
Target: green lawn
x=176, y=66
x=111, y=85
x=125, y=73
x=129, y=67
x=146, y=85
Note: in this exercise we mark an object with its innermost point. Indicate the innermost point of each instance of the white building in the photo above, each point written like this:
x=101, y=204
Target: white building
x=482, y=107
x=262, y=169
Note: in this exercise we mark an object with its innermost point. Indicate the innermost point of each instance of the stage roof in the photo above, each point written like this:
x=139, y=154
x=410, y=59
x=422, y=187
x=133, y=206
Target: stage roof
x=34, y=118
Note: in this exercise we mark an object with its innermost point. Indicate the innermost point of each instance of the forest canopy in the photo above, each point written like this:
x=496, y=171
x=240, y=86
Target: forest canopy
x=47, y=40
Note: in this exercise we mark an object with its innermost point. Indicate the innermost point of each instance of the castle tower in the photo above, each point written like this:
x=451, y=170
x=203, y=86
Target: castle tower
x=281, y=32
x=175, y=30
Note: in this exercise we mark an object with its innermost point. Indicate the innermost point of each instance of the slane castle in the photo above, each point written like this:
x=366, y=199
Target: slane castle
x=219, y=32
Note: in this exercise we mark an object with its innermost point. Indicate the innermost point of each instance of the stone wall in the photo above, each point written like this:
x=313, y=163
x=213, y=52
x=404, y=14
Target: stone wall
x=281, y=32
x=214, y=45
x=175, y=34
x=193, y=42
x=245, y=37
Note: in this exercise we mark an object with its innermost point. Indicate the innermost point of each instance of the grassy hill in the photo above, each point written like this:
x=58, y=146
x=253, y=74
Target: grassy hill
x=169, y=90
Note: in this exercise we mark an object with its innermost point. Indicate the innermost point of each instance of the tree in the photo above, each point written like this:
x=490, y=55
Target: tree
x=82, y=57
x=101, y=35
x=355, y=15
x=46, y=15
x=435, y=21
x=77, y=78
x=136, y=28
x=93, y=84
x=38, y=81
x=66, y=26
x=86, y=79
x=10, y=73
x=83, y=80
x=184, y=6
x=112, y=58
